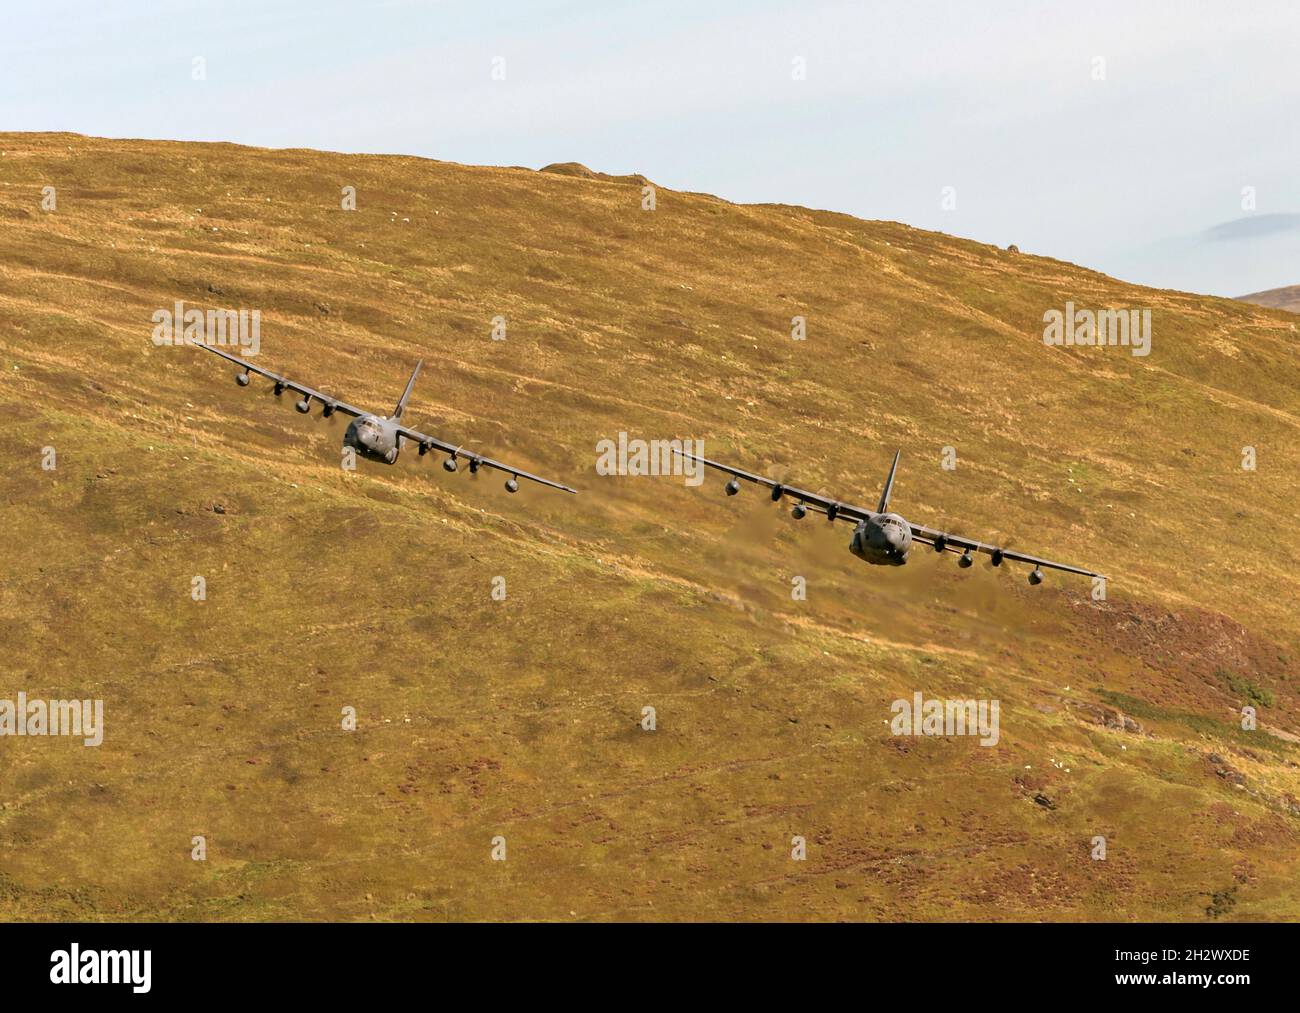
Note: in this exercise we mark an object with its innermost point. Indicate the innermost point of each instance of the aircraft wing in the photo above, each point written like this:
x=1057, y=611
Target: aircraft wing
x=333, y=404
x=283, y=383
x=956, y=543
x=476, y=461
x=832, y=508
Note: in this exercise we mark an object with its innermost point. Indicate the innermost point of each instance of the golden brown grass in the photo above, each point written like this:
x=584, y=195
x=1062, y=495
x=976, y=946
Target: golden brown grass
x=520, y=718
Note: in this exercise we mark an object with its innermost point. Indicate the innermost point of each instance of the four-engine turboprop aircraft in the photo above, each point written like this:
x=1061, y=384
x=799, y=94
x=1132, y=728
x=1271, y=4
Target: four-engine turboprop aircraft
x=378, y=437
x=881, y=537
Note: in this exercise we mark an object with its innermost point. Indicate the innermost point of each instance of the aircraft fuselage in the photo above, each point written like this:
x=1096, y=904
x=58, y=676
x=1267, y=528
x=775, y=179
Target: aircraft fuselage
x=882, y=539
x=374, y=438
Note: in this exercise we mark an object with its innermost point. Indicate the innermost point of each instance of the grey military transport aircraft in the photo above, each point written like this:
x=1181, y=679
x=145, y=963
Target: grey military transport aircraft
x=881, y=537
x=378, y=437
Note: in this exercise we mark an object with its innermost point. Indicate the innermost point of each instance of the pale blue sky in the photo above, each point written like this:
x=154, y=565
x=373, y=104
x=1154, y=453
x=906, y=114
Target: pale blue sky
x=997, y=100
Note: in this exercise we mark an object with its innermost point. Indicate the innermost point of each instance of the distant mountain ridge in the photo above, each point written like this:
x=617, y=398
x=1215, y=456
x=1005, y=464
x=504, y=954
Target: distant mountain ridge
x=1286, y=298
x=1253, y=226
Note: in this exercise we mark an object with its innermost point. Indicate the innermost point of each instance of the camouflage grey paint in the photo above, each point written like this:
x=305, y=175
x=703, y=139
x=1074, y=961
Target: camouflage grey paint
x=881, y=537
x=377, y=437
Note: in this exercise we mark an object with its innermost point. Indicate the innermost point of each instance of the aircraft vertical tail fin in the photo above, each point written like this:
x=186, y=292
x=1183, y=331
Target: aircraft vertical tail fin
x=889, y=485
x=406, y=394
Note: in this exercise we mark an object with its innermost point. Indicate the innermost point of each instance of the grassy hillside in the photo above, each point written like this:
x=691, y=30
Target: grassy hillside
x=520, y=718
